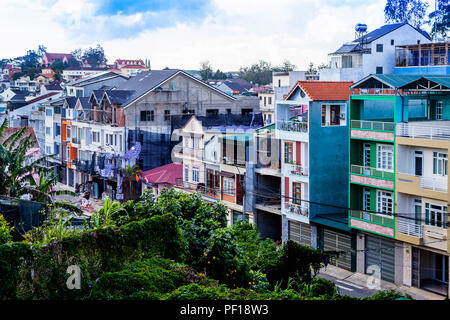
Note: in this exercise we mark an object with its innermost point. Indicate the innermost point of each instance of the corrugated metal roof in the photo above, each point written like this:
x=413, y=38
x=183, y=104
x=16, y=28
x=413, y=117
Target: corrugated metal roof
x=400, y=81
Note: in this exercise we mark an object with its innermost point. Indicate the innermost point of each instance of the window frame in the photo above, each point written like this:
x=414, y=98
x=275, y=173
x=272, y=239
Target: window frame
x=380, y=157
x=288, y=150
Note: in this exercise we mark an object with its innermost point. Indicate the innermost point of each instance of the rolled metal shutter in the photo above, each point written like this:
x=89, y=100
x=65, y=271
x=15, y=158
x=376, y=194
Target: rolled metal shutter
x=380, y=252
x=336, y=241
x=300, y=233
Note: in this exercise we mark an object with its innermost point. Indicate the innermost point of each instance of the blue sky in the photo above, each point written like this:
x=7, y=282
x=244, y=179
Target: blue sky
x=181, y=34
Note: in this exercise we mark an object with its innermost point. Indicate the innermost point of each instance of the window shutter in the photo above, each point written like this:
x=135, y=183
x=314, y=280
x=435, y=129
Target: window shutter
x=298, y=151
x=286, y=189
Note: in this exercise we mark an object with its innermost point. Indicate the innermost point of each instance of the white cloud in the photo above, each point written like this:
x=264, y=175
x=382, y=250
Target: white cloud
x=233, y=34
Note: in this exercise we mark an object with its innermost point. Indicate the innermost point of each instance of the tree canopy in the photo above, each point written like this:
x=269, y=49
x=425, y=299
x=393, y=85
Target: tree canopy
x=411, y=11
x=440, y=19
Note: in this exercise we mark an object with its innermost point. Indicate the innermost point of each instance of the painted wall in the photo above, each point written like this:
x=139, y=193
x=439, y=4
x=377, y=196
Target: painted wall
x=328, y=162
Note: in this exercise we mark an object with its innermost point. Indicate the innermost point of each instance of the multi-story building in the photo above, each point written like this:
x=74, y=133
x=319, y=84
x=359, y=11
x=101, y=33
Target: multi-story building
x=53, y=133
x=399, y=145
x=370, y=53
x=311, y=122
x=83, y=87
x=266, y=104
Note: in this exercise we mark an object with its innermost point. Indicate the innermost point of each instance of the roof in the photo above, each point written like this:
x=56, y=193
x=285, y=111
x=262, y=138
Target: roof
x=28, y=132
x=387, y=28
x=222, y=122
x=84, y=69
x=95, y=78
x=84, y=102
x=42, y=97
x=71, y=102
x=53, y=86
x=346, y=48
x=55, y=56
x=168, y=173
x=234, y=86
x=324, y=90
x=147, y=81
x=118, y=96
x=402, y=81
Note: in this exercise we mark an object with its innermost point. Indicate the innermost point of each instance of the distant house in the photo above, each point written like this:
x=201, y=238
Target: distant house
x=132, y=70
x=167, y=176
x=49, y=58
x=51, y=87
x=77, y=73
x=84, y=86
x=234, y=86
x=120, y=63
x=370, y=53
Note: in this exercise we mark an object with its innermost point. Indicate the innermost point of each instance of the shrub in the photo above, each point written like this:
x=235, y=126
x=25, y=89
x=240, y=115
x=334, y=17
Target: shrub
x=387, y=295
x=5, y=230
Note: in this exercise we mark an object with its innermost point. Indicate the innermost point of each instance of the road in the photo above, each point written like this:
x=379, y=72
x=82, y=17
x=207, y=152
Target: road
x=347, y=288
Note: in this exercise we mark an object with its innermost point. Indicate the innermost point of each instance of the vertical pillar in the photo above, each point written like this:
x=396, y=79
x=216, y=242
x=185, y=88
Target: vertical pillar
x=398, y=266
x=314, y=236
x=360, y=254
x=407, y=264
x=284, y=229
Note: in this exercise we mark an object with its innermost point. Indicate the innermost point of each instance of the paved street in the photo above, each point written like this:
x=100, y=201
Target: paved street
x=348, y=288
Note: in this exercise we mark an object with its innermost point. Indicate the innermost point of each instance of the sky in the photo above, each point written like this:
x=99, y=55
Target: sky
x=182, y=34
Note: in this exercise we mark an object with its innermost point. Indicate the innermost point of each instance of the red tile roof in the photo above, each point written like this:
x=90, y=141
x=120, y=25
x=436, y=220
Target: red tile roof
x=324, y=90
x=168, y=173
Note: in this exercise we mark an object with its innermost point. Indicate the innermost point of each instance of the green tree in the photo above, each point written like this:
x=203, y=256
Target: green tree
x=286, y=66
x=260, y=73
x=411, y=11
x=95, y=56
x=129, y=181
x=206, y=70
x=440, y=19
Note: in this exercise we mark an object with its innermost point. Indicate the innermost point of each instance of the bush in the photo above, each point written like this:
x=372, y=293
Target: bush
x=5, y=230
x=387, y=295
x=296, y=262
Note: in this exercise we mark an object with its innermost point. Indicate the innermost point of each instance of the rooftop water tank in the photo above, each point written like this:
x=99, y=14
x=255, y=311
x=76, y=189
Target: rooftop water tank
x=361, y=27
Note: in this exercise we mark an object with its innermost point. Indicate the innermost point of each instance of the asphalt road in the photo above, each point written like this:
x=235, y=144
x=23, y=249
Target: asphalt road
x=349, y=289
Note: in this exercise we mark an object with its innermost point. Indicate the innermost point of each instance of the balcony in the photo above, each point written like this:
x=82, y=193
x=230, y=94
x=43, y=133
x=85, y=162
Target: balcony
x=376, y=218
x=372, y=176
x=296, y=169
x=208, y=191
x=268, y=204
x=372, y=130
x=293, y=126
x=75, y=140
x=409, y=229
x=193, y=153
x=423, y=130
x=417, y=185
x=298, y=209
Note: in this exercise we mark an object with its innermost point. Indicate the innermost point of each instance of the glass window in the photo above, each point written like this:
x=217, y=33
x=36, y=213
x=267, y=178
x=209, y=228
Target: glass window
x=228, y=186
x=436, y=215
x=186, y=173
x=195, y=174
x=440, y=163
x=439, y=110
x=379, y=47
x=384, y=202
x=385, y=157
x=296, y=193
x=288, y=152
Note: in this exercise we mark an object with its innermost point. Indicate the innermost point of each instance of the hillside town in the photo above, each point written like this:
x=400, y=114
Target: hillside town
x=349, y=158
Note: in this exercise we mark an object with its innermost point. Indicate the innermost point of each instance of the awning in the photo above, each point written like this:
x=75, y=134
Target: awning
x=226, y=174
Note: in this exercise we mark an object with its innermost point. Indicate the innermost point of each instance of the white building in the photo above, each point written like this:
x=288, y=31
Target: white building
x=371, y=53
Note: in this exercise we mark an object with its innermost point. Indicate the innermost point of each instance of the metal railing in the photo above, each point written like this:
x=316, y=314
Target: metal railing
x=295, y=126
x=410, y=229
x=373, y=125
x=372, y=172
x=423, y=131
x=377, y=218
x=297, y=169
x=435, y=184
x=298, y=209
x=75, y=140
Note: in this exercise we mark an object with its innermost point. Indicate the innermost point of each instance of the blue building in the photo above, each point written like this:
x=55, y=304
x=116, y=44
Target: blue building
x=423, y=59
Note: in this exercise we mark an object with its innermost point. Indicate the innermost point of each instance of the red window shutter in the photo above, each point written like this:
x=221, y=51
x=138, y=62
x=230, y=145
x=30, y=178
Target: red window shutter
x=286, y=189
x=298, y=152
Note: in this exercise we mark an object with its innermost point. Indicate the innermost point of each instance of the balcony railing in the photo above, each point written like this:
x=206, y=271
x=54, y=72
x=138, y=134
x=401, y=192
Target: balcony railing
x=410, y=229
x=373, y=125
x=423, y=131
x=367, y=171
x=297, y=169
x=295, y=126
x=377, y=218
x=210, y=191
x=75, y=140
x=298, y=209
x=435, y=184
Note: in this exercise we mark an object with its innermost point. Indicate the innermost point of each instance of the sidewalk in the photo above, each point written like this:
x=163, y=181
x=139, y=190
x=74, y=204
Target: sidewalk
x=361, y=280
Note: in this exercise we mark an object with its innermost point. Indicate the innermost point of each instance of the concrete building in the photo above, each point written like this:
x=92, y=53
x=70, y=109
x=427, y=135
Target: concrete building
x=370, y=53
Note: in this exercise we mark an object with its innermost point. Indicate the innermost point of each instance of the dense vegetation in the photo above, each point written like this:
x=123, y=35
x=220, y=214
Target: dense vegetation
x=178, y=247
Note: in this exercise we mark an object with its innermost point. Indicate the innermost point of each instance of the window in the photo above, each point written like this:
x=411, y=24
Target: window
x=108, y=138
x=384, y=202
x=288, y=152
x=48, y=150
x=195, y=174
x=186, y=142
x=196, y=143
x=186, y=173
x=366, y=199
x=147, y=115
x=435, y=215
x=228, y=186
x=418, y=211
x=392, y=42
x=331, y=115
x=212, y=112
x=440, y=163
x=265, y=101
x=385, y=157
x=379, y=47
x=67, y=153
x=439, y=110
x=296, y=193
x=166, y=115
x=47, y=130
x=279, y=83
x=379, y=70
x=48, y=112
x=68, y=132
x=95, y=136
x=270, y=100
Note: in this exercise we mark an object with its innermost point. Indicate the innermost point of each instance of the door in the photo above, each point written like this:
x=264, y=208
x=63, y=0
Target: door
x=299, y=232
x=337, y=241
x=366, y=159
x=380, y=253
x=441, y=270
x=418, y=156
x=366, y=203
